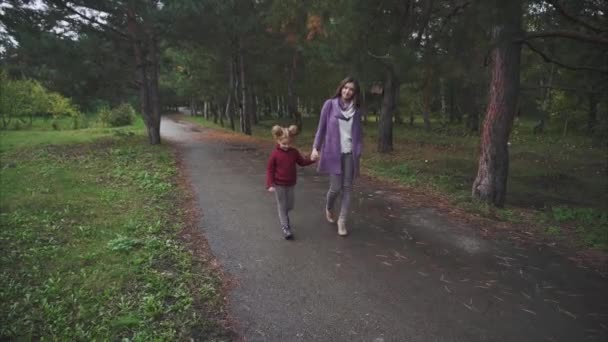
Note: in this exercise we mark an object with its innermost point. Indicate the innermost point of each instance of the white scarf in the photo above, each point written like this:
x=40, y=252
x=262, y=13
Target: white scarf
x=346, y=128
x=349, y=111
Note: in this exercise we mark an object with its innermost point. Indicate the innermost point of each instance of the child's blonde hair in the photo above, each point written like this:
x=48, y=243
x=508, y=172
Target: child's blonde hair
x=280, y=133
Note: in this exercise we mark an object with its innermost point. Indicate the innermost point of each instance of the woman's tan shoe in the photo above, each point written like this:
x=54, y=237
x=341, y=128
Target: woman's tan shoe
x=342, y=228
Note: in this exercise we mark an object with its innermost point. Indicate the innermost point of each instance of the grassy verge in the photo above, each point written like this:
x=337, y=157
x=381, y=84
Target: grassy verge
x=89, y=224
x=549, y=175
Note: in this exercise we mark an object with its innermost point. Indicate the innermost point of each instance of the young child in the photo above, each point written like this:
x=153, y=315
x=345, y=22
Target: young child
x=281, y=174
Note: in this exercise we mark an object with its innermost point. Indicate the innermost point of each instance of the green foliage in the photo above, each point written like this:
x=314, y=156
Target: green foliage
x=553, y=230
x=123, y=115
x=591, y=224
x=25, y=99
x=123, y=243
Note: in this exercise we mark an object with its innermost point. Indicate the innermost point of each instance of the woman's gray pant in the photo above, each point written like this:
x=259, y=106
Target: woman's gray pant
x=341, y=183
x=285, y=202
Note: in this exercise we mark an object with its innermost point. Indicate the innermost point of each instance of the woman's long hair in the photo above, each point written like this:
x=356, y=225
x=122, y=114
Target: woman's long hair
x=356, y=95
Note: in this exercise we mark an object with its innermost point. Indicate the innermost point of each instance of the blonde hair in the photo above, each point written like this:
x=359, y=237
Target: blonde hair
x=279, y=132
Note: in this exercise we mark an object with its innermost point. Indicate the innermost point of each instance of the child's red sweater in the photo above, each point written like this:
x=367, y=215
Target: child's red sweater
x=282, y=167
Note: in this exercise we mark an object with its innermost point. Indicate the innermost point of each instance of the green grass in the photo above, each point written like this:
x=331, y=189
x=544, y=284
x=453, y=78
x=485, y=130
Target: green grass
x=546, y=171
x=88, y=229
x=40, y=134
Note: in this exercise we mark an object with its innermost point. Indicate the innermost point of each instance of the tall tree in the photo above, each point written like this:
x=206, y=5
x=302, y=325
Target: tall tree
x=132, y=25
x=490, y=185
x=491, y=182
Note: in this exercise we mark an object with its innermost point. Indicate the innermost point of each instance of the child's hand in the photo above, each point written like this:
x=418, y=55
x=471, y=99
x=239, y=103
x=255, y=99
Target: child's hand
x=271, y=189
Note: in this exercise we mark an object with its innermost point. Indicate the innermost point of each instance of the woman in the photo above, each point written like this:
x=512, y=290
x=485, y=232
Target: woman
x=338, y=143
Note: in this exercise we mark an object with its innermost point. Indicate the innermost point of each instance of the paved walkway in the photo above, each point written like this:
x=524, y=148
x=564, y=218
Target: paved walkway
x=403, y=274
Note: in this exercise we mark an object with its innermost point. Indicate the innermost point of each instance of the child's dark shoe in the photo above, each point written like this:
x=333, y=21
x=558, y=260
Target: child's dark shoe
x=329, y=216
x=287, y=232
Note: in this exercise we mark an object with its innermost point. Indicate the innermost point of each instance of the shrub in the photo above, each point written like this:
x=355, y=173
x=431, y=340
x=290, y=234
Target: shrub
x=123, y=115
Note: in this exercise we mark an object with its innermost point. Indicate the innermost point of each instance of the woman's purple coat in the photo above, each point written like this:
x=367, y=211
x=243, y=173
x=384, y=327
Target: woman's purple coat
x=327, y=139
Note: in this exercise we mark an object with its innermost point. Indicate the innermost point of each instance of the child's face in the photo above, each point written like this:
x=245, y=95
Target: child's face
x=284, y=143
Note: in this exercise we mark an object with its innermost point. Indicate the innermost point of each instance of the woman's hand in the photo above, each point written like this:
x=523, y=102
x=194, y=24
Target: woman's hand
x=314, y=156
x=271, y=189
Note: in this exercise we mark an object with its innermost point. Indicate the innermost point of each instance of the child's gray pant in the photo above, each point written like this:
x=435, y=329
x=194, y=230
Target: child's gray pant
x=285, y=202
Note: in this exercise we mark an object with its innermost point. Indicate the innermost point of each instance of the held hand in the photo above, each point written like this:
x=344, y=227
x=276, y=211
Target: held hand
x=271, y=189
x=314, y=156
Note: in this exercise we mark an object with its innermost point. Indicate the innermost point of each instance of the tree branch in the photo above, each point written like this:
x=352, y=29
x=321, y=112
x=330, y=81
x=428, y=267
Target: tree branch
x=70, y=9
x=561, y=10
x=457, y=8
x=569, y=35
x=548, y=59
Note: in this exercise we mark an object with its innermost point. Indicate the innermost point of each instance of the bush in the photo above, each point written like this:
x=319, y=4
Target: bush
x=80, y=121
x=123, y=115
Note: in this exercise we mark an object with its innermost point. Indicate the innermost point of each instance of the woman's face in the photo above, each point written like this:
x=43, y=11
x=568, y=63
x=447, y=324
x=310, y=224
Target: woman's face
x=348, y=91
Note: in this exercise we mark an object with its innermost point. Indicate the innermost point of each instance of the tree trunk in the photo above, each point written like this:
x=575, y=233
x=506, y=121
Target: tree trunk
x=253, y=99
x=490, y=185
x=397, y=114
x=284, y=111
x=292, y=106
x=147, y=65
x=385, y=124
x=546, y=95
x=278, y=108
x=213, y=111
x=426, y=98
x=245, y=112
x=220, y=114
x=473, y=120
x=592, y=119
x=364, y=107
x=453, y=114
x=153, y=91
x=470, y=108
x=231, y=104
x=228, y=113
x=444, y=105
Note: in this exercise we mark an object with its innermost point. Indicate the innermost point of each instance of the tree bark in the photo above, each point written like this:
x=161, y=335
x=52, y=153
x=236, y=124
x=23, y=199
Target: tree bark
x=213, y=109
x=397, y=114
x=229, y=110
x=592, y=119
x=426, y=100
x=385, y=124
x=539, y=128
x=453, y=114
x=292, y=107
x=145, y=49
x=220, y=114
x=364, y=107
x=444, y=105
x=253, y=99
x=490, y=185
x=245, y=112
x=471, y=108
